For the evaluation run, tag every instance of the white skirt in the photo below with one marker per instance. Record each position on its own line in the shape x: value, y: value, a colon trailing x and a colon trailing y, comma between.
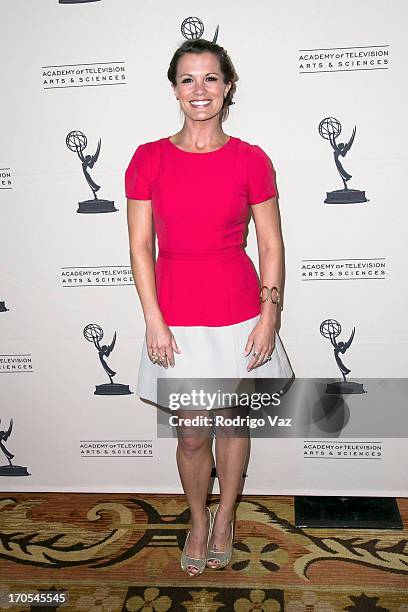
x: 211, y: 352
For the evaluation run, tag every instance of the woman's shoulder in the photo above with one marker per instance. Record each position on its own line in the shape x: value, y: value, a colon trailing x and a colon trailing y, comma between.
x: 148, y: 153
x: 250, y: 148
x: 147, y: 158
x: 150, y: 145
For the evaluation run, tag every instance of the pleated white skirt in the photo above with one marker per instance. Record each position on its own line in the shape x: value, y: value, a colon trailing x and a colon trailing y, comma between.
x: 211, y: 352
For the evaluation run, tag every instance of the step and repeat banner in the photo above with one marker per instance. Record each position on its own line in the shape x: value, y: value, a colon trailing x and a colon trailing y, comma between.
x: 322, y: 90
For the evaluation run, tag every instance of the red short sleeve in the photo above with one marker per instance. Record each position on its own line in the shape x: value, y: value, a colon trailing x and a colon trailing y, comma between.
x: 261, y: 176
x: 138, y: 174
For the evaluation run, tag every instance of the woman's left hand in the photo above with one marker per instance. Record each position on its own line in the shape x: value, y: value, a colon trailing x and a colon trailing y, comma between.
x: 261, y: 341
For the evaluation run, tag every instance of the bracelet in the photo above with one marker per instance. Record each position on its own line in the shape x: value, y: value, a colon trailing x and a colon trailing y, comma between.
x: 269, y: 295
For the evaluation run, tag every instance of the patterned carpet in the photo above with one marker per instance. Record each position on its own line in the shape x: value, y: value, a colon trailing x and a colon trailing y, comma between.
x: 121, y: 552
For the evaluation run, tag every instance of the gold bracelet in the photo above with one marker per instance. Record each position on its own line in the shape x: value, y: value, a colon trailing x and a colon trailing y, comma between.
x: 269, y: 294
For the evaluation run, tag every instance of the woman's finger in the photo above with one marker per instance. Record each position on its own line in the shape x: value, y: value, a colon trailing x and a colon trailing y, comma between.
x: 175, y: 345
x: 170, y: 355
x: 155, y: 354
x: 261, y: 359
x: 254, y: 360
x: 248, y: 346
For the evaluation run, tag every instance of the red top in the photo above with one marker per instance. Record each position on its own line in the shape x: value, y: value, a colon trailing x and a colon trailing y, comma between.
x: 200, y: 204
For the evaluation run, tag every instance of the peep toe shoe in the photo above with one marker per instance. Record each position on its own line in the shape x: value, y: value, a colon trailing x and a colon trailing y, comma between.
x: 223, y: 557
x: 199, y: 564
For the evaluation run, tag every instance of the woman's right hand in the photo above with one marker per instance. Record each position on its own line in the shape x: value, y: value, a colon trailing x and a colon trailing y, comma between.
x: 161, y: 341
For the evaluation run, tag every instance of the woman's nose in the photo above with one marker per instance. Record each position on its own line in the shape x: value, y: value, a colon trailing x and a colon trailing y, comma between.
x: 199, y: 88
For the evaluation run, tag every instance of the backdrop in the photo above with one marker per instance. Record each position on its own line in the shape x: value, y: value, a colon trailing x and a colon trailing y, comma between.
x: 322, y: 90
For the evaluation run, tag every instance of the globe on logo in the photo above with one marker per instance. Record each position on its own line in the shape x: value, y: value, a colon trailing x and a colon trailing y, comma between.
x: 329, y: 126
x: 93, y: 332
x: 330, y: 328
x: 192, y: 28
x: 76, y: 141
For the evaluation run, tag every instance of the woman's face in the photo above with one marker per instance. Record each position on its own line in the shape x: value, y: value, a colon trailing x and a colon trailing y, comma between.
x: 199, y: 78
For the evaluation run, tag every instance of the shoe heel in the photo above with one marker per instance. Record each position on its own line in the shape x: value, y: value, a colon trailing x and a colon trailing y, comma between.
x: 199, y: 563
x: 223, y: 557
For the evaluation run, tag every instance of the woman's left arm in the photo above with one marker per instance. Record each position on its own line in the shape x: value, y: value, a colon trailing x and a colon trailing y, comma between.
x: 270, y: 252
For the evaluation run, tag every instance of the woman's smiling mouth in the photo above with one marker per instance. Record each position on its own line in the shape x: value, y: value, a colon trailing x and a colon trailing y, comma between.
x: 200, y: 103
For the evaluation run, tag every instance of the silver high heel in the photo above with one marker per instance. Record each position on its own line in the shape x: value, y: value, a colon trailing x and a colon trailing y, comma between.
x: 223, y: 557
x: 199, y: 564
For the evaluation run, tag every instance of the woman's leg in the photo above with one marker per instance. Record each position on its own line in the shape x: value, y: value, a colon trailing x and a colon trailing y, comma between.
x: 231, y: 450
x: 195, y: 461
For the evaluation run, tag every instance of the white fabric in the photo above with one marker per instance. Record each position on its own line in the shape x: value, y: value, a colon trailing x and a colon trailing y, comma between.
x: 211, y: 352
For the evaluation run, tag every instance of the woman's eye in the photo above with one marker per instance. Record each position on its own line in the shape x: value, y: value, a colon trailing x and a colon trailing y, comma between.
x: 212, y: 78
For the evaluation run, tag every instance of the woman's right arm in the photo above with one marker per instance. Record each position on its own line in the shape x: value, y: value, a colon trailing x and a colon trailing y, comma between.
x: 159, y: 338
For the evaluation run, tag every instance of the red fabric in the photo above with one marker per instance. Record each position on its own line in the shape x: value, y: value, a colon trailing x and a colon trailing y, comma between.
x: 200, y: 204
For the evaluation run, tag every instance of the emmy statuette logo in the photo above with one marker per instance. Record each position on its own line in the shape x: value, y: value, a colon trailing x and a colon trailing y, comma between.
x: 330, y: 129
x: 94, y: 333
x: 331, y: 329
x: 76, y: 142
x: 10, y: 469
x: 193, y: 28
x: 3, y: 307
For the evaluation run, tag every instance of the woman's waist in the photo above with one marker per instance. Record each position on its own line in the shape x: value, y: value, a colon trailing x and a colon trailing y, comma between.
x: 221, y: 269
x: 210, y: 255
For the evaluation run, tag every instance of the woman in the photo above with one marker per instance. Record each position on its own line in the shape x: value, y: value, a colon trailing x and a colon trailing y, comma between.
x: 204, y: 312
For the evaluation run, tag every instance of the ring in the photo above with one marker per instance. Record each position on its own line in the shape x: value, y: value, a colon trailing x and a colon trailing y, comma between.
x: 255, y: 354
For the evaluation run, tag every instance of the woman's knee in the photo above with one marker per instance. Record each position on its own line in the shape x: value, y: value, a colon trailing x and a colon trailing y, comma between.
x: 192, y: 438
x: 232, y: 422
x: 192, y: 444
